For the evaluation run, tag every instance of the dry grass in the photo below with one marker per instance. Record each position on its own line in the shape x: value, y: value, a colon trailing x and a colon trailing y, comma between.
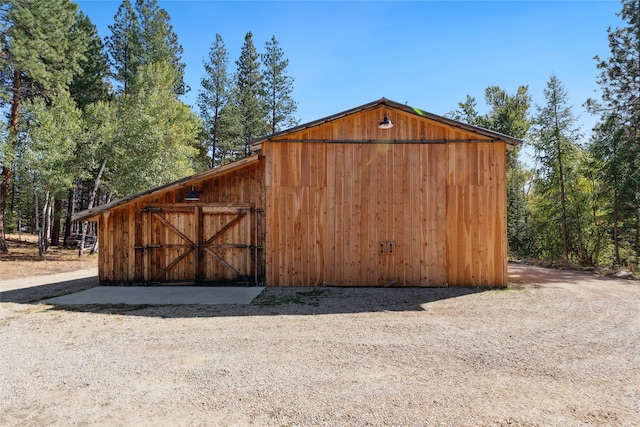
x: 22, y: 260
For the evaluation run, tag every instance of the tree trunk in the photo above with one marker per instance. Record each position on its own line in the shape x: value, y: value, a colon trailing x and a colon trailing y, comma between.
x: 616, y: 246
x: 92, y: 199
x: 638, y: 235
x: 71, y: 209
x: 6, y: 168
x: 214, y: 139
x: 57, y: 222
x: 564, y: 212
x: 43, y: 235
x: 94, y: 249
x: 47, y: 219
x: 4, y: 192
x: 36, y: 211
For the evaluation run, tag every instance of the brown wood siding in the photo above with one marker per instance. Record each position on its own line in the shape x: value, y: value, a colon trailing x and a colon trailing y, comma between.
x: 476, y: 215
x: 122, y: 229
x: 329, y: 204
x: 373, y: 193
x: 440, y: 208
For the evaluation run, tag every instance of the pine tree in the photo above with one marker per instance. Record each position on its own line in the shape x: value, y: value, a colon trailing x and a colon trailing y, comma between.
x: 142, y: 35
x: 279, y: 87
x: 214, y: 95
x: 90, y: 86
x: 124, y: 45
x: 250, y: 94
x: 39, y: 47
x: 611, y: 169
x: 156, y: 135
x: 91, y: 83
x: 555, y: 140
x: 159, y: 42
x: 619, y: 108
x: 508, y: 115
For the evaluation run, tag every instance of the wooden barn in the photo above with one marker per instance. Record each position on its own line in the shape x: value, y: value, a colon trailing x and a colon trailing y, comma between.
x: 380, y: 195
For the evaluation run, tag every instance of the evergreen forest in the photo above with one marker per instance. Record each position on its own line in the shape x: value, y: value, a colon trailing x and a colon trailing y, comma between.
x: 87, y: 120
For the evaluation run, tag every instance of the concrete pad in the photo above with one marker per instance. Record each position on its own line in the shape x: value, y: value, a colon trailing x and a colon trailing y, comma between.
x: 160, y: 295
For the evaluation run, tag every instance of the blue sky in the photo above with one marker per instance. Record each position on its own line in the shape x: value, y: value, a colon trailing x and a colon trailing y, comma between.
x: 429, y: 54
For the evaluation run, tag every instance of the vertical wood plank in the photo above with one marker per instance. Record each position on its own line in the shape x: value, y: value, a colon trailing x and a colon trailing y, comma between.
x: 391, y: 196
x: 441, y: 206
x: 297, y: 237
x: 358, y: 272
x: 347, y: 225
x: 330, y: 248
x: 474, y: 259
x: 321, y: 214
x: 502, y: 257
x: 105, y: 254
x: 130, y: 244
x: 282, y: 235
x: 401, y: 209
x: 271, y: 222
x: 381, y: 211
x: 139, y: 242
x: 482, y: 230
x: 339, y: 217
x: 118, y: 235
x: 413, y: 221
x: 290, y: 237
x: 321, y: 234
x: 363, y: 215
x: 369, y: 219
x: 428, y: 220
x: 401, y: 172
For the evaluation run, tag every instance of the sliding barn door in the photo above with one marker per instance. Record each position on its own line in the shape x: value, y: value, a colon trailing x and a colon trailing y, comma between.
x: 202, y: 244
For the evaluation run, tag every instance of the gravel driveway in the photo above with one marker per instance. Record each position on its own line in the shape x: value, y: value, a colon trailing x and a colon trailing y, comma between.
x: 556, y: 349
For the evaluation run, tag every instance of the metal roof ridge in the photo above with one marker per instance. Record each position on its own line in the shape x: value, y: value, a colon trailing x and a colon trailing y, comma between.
x: 398, y: 106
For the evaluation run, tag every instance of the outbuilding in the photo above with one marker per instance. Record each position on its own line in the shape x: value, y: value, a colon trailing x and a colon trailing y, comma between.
x: 379, y: 195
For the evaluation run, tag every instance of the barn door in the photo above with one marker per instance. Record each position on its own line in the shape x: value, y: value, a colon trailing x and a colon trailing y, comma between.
x: 197, y: 244
x: 228, y: 249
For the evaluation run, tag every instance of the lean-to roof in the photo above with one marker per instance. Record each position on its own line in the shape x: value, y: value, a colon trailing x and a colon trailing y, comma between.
x: 184, y: 182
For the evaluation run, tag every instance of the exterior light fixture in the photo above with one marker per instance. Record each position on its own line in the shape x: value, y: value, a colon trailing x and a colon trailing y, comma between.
x: 385, y: 124
x: 192, y: 196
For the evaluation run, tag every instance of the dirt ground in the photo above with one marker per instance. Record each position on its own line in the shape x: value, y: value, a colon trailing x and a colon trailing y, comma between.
x: 558, y: 348
x: 22, y: 260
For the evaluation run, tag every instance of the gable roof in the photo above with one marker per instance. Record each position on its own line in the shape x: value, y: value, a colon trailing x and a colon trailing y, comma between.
x: 494, y: 136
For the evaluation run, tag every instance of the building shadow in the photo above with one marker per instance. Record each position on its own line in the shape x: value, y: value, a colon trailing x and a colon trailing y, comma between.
x: 38, y: 293
x: 272, y: 301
